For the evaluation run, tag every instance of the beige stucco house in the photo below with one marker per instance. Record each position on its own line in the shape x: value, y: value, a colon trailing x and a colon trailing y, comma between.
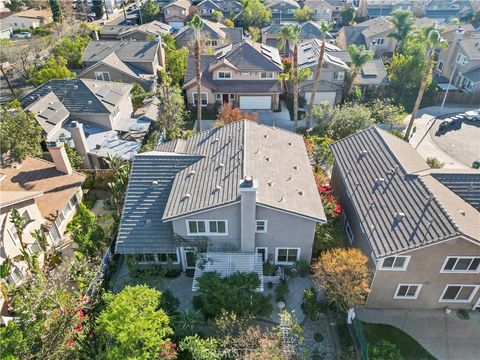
x: 176, y: 13
x: 28, y: 19
x: 322, y: 10
x: 419, y: 227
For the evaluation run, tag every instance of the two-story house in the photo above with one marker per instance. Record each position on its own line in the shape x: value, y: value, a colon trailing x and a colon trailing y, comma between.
x: 214, y: 36
x: 376, y: 8
x: 322, y: 10
x: 224, y: 194
x: 338, y: 6
x: 230, y: 9
x: 418, y: 226
x: 245, y: 73
x: 460, y: 62
x: 93, y: 116
x: 28, y: 19
x: 283, y: 11
x: 445, y: 10
x: 176, y: 13
x: 137, y: 33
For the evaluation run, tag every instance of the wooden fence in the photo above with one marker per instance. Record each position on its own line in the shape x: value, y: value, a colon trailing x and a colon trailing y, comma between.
x: 459, y: 98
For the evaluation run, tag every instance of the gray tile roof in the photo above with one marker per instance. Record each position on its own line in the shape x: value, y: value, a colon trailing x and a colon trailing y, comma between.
x: 141, y: 227
x: 381, y: 174
x: 465, y: 185
x: 309, y: 30
x: 373, y: 73
x: 213, y: 31
x: 472, y: 46
x: 49, y: 111
x: 309, y: 51
x: 251, y: 56
x: 127, y: 51
x: 473, y: 74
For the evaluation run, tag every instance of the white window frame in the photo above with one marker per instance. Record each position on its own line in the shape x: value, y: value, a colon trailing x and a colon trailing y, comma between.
x: 18, y: 274
x: 265, y: 226
x: 266, y: 77
x: 266, y: 252
x: 201, y: 100
x: 13, y: 234
x: 166, y: 262
x: 417, y: 292
x: 286, y: 248
x: 224, y: 72
x: 218, y: 96
x: 403, y: 268
x: 349, y: 235
x: 245, y: 73
x: 207, y: 227
x: 30, y: 248
x: 231, y: 96
x: 100, y: 75
x: 440, y: 65
x: 340, y: 75
x: 461, y: 59
x: 477, y: 271
x: 472, y: 295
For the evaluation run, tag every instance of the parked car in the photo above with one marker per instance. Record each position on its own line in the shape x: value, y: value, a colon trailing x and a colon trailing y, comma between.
x: 473, y: 115
x: 446, y: 123
x: 23, y: 35
x: 476, y: 164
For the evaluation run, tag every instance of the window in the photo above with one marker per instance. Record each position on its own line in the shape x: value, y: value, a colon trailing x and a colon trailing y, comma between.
x: 245, y: 73
x: 15, y: 275
x: 35, y: 248
x: 339, y: 75
x: 407, y: 291
x: 262, y: 251
x: 55, y: 234
x: 105, y: 76
x: 286, y: 256
x: 458, y: 293
x: 266, y: 75
x: 381, y: 41
x: 395, y: 263
x: 218, y: 96
x: 461, y: 264
x: 232, y: 96
x: 164, y: 257
x: 207, y: 227
x: 274, y: 10
x: 440, y: 65
x: 214, y: 43
x: 204, y: 99
x: 167, y: 12
x: 224, y: 75
x: 261, y: 226
x: 461, y: 59
x: 13, y: 234
x: 349, y: 232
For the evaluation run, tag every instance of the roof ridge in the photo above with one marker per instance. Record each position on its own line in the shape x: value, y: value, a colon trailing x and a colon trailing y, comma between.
x: 53, y: 165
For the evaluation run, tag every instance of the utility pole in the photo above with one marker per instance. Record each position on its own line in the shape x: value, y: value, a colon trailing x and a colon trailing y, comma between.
x: 105, y: 7
x: 124, y: 12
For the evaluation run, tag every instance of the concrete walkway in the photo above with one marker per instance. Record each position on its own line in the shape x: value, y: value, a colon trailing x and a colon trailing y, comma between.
x: 279, y: 119
x: 446, y: 337
x: 422, y: 141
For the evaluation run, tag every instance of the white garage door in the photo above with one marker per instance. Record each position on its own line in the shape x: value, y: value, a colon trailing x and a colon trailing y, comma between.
x: 176, y: 24
x: 255, y: 102
x: 321, y: 96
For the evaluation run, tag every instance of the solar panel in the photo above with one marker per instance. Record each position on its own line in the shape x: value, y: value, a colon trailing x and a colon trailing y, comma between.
x: 103, y: 91
x: 268, y: 50
x: 113, y: 98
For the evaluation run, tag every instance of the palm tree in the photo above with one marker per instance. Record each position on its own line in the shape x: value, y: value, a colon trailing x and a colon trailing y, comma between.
x: 432, y: 38
x: 197, y: 24
x: 325, y: 28
x: 403, y: 22
x: 291, y: 34
x: 20, y: 224
x: 359, y: 57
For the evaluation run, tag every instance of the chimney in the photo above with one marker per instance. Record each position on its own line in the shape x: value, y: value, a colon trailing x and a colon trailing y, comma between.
x: 95, y: 35
x: 248, y: 196
x: 59, y: 156
x: 80, y: 141
x: 459, y: 34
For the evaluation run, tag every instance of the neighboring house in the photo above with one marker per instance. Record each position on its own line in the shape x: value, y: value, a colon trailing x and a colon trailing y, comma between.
x: 176, y: 13
x: 229, y: 195
x: 309, y: 30
x: 460, y: 62
x: 28, y: 19
x: 335, y: 68
x: 282, y: 10
x: 418, y: 226
x: 445, y: 10
x: 376, y: 8
x: 64, y: 108
x: 322, y: 10
x: 245, y: 73
x: 338, y: 6
x: 136, y: 33
x: 6, y: 31
x: 214, y: 35
x: 229, y: 8
x: 142, y: 57
x: 43, y: 192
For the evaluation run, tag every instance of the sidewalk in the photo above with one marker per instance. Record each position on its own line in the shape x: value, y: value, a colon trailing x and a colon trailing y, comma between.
x: 446, y: 337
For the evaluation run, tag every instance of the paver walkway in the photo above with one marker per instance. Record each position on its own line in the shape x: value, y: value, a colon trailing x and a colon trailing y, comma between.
x: 446, y: 337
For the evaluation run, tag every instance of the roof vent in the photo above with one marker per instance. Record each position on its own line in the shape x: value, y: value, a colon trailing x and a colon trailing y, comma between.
x: 218, y: 188
x: 290, y: 143
x: 148, y: 222
x: 215, y: 140
x: 461, y: 212
x: 282, y: 199
x: 268, y: 158
x: 257, y: 152
x: 75, y: 87
x: 154, y: 182
x: 379, y: 181
x: 295, y: 167
x: 270, y: 183
x: 248, y: 181
x: 191, y: 172
x: 265, y: 136
x: 98, y: 146
x: 187, y: 196
x: 221, y: 165
x: 363, y: 152
x: 399, y: 216
x: 300, y: 192
x: 89, y: 102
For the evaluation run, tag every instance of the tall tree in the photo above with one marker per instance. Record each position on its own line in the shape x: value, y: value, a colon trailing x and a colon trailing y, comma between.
x: 290, y: 34
x: 403, y: 22
x: 347, y: 14
x: 175, y: 59
x: 6, y: 56
x: 255, y: 13
x: 55, y: 8
x: 303, y: 14
x: 325, y: 28
x: 359, y: 56
x: 432, y: 38
x: 53, y: 68
x: 173, y: 114
x: 197, y: 25
x: 71, y: 47
x: 150, y: 11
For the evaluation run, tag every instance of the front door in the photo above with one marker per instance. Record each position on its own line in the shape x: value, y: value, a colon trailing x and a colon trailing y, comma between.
x: 225, y: 98
x: 189, y: 258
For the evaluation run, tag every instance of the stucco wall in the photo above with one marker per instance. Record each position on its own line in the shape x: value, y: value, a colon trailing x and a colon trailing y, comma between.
x: 115, y: 76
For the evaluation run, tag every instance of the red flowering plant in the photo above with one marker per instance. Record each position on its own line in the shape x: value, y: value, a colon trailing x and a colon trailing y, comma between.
x: 330, y: 202
x: 168, y: 351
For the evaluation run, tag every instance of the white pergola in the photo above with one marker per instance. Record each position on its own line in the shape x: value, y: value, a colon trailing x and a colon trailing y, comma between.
x: 228, y: 263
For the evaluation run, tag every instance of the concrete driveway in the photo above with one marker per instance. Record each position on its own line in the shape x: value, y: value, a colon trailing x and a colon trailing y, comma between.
x: 446, y: 337
x: 280, y: 119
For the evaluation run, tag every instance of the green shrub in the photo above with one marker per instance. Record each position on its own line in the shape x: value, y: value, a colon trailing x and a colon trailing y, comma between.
x: 310, y: 305
x: 384, y: 350
x: 89, y: 199
x: 169, y: 303
x: 434, y: 163
x: 268, y: 268
x: 289, y: 101
x: 302, y: 266
x: 281, y: 291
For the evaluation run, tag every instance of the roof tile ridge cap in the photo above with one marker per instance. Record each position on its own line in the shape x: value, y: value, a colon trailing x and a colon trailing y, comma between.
x: 377, y: 131
x: 279, y: 129
x: 352, y: 135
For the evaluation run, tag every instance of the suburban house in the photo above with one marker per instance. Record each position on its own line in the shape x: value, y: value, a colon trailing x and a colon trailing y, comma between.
x: 460, y: 62
x: 136, y: 33
x: 226, y: 195
x: 418, y: 226
x: 214, y: 35
x: 43, y: 192
x: 230, y: 9
x: 92, y: 116
x: 176, y: 13
x: 142, y: 58
x: 336, y: 65
x: 338, y: 6
x: 445, y: 10
x: 282, y: 10
x: 308, y: 30
x: 376, y: 8
x: 245, y: 73
x: 28, y: 19
x: 322, y: 10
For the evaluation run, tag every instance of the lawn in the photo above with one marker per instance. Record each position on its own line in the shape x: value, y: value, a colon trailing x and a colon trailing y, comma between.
x: 193, y: 116
x: 409, y: 347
